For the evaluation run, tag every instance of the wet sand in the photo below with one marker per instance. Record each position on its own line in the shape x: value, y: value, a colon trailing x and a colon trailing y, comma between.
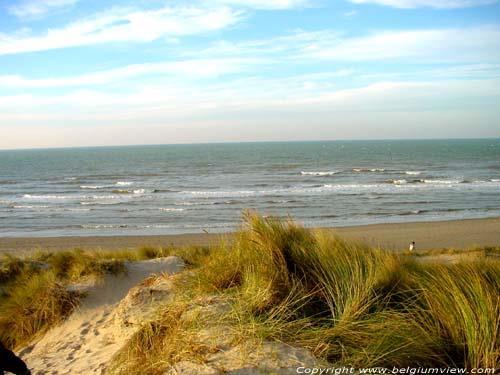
x: 458, y: 234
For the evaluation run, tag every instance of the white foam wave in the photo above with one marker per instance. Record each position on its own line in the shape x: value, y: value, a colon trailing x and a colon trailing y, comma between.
x: 413, y: 173
x: 343, y: 188
x: 103, y: 226
x: 443, y: 182
x: 44, y: 197
x: 92, y: 187
x: 23, y: 206
x: 124, y: 183
x: 400, y: 182
x: 359, y: 170
x: 168, y: 209
x: 320, y: 173
x: 139, y: 191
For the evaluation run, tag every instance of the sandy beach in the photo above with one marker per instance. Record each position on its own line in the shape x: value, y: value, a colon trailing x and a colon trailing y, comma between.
x: 427, y: 235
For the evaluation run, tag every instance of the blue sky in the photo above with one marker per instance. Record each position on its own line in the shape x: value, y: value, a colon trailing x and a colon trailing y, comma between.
x: 110, y: 72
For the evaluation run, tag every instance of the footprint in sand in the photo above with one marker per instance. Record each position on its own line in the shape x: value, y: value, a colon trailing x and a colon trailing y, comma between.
x: 102, y: 320
x: 26, y: 351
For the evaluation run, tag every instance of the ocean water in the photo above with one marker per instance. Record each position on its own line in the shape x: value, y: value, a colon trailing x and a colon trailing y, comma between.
x: 190, y: 188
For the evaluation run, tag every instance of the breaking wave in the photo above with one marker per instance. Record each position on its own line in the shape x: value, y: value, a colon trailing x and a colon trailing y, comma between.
x: 319, y: 174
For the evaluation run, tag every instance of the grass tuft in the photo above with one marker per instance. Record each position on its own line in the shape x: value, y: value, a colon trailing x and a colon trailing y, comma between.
x: 33, y: 306
x: 348, y: 303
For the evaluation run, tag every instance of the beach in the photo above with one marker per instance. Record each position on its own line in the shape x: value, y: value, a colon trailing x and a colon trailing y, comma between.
x: 457, y: 234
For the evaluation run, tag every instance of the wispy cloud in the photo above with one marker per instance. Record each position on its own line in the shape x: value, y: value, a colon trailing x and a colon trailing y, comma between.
x: 125, y: 25
x: 267, y: 4
x: 437, y: 4
x: 187, y: 69
x: 38, y: 8
x: 473, y: 44
x: 438, y: 45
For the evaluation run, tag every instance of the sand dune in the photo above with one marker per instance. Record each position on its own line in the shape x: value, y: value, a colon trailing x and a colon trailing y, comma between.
x: 86, y: 342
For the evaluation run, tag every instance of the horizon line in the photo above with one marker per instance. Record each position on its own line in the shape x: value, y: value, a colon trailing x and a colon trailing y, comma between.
x: 246, y: 142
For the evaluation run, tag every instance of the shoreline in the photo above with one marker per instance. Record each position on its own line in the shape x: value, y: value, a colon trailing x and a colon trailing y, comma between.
x: 394, y: 236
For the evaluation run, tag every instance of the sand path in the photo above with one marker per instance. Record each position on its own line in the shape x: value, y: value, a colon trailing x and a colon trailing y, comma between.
x: 86, y: 342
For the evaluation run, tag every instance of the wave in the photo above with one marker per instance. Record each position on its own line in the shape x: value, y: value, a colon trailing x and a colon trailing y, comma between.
x: 360, y: 170
x: 445, y: 182
x: 399, y: 182
x: 438, y: 181
x: 25, y: 206
x: 412, y: 212
x: 319, y: 174
x: 386, y: 186
x: 99, y: 203
x: 413, y: 173
x: 94, y: 187
x: 44, y: 197
x: 204, y: 203
x: 228, y: 202
x: 103, y: 226
x: 123, y: 183
x: 121, y: 191
x: 168, y: 209
x: 139, y: 191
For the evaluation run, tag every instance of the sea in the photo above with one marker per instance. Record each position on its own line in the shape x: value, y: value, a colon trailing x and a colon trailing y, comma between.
x: 171, y: 189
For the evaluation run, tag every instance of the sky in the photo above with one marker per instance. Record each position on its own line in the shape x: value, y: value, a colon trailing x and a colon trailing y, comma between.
x: 116, y: 72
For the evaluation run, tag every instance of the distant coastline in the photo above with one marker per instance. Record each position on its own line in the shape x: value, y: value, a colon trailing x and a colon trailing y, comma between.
x: 104, y: 146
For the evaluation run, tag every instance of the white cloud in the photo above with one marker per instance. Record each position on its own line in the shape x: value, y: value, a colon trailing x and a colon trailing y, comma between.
x: 267, y: 4
x: 470, y: 44
x: 187, y: 69
x: 255, y: 94
x: 474, y: 44
x: 122, y: 25
x: 247, y: 112
x: 438, y: 4
x: 38, y: 8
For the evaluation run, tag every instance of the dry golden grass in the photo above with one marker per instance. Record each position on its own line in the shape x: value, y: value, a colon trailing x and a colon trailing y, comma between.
x: 347, y: 303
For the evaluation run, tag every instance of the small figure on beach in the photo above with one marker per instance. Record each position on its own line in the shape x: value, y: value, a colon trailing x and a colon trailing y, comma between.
x: 11, y: 363
x: 412, y: 246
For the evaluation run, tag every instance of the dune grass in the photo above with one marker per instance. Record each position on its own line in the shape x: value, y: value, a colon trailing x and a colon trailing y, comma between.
x: 32, y: 307
x: 33, y: 290
x: 347, y: 303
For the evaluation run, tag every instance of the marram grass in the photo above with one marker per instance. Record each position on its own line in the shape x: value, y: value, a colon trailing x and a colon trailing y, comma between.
x: 348, y: 303
x: 33, y: 290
